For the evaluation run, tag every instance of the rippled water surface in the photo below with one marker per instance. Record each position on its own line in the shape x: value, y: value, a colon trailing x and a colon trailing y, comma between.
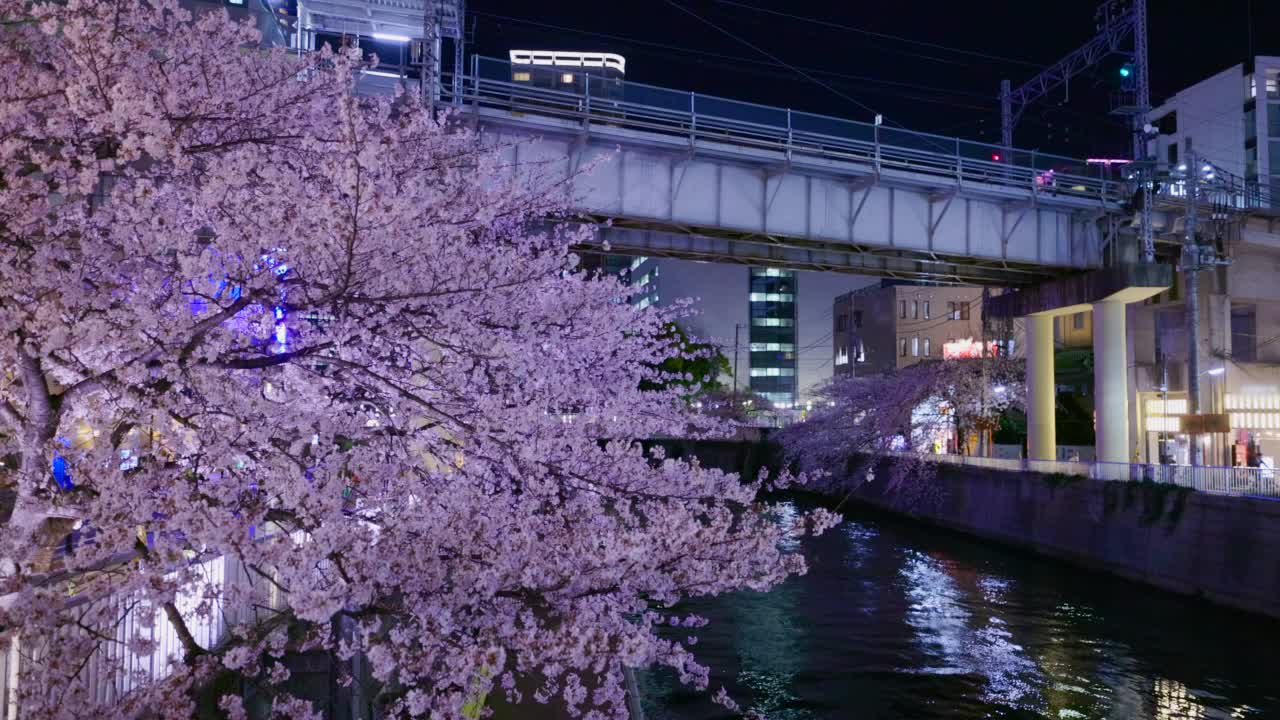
x: 896, y: 620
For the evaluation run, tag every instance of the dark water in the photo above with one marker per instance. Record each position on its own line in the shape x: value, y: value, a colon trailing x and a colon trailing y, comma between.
x: 896, y: 620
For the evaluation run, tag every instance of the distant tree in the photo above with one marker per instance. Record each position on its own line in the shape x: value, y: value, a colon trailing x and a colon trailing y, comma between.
x: 875, y: 416
x: 694, y: 367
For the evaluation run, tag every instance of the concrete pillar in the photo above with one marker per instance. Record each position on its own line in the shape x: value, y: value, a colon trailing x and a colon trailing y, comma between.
x: 1111, y: 381
x: 1042, y: 443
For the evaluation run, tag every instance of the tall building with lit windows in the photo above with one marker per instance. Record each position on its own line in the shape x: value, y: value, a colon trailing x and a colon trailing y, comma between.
x: 1232, y: 119
x: 757, y: 317
x: 772, y: 335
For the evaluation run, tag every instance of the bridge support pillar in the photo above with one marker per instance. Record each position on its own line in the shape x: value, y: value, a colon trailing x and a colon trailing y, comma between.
x: 1042, y: 443
x: 1111, y: 381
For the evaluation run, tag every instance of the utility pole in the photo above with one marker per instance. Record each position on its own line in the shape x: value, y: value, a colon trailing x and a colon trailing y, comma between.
x: 430, y: 63
x: 736, y: 327
x: 1146, y: 171
x: 1191, y: 266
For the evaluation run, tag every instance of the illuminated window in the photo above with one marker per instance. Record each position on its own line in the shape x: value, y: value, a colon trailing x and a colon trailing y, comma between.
x: 521, y: 77
x: 566, y: 78
x: 775, y: 372
x: 927, y: 347
x: 915, y: 346
x: 862, y: 353
x: 772, y: 297
x: 772, y: 347
x: 772, y: 322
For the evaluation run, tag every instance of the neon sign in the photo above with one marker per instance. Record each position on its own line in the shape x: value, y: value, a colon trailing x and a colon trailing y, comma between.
x: 968, y: 348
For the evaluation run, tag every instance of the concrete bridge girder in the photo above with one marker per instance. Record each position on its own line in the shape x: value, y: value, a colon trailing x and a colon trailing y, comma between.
x: 656, y: 182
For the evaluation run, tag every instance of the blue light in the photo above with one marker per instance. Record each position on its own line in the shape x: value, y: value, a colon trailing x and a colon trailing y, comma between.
x: 279, y: 313
x: 61, y: 473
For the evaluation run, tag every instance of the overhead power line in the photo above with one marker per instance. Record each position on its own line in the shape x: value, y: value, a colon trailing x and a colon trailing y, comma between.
x: 885, y: 36
x: 666, y: 47
x: 808, y: 76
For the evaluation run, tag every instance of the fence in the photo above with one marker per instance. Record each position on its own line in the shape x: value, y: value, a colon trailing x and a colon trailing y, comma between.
x: 589, y: 98
x: 1241, y: 481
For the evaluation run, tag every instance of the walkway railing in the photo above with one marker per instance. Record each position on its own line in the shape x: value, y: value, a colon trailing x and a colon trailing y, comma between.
x: 1221, y: 480
x: 590, y: 99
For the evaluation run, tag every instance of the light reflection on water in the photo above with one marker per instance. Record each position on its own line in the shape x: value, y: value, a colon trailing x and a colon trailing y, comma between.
x: 898, y: 621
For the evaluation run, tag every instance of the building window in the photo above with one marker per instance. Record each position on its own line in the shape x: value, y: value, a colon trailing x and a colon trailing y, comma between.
x: 862, y: 353
x: 902, y: 346
x: 841, y: 321
x: 780, y: 372
x: 964, y: 310
x: 1244, y: 346
x: 1077, y: 321
x: 772, y: 297
x: 857, y: 318
x: 953, y: 312
x: 772, y: 347
x: 902, y: 308
x: 915, y: 346
x: 772, y: 322
x: 927, y: 347
x: 926, y: 309
x: 915, y: 310
x: 521, y: 76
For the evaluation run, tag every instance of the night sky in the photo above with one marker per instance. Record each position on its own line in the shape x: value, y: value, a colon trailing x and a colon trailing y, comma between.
x: 932, y: 65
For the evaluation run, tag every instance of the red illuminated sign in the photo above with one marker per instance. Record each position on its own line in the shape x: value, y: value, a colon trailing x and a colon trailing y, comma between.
x: 968, y: 348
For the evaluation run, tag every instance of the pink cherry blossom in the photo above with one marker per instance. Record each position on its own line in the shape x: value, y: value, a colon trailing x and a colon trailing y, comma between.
x: 311, y: 362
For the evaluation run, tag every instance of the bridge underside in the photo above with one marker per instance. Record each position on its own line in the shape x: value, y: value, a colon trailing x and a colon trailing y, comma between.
x: 633, y: 237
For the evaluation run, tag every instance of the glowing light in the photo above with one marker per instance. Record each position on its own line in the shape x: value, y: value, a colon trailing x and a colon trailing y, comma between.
x: 562, y: 58
x: 968, y: 348
x: 391, y: 38
x: 1216, y: 371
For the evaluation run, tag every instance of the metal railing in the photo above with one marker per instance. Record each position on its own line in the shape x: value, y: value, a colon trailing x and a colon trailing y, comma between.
x: 591, y: 99
x: 1220, y: 480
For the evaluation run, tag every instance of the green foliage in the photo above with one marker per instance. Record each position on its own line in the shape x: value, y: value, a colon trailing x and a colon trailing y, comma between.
x: 694, y: 365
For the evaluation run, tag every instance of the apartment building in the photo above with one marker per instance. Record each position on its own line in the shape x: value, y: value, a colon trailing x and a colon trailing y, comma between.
x: 893, y: 325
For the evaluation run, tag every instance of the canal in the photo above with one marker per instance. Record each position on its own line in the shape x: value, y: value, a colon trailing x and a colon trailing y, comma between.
x: 898, y: 620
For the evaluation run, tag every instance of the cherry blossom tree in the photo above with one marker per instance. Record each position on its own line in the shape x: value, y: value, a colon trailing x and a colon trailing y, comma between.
x: 331, y: 341
x: 860, y: 420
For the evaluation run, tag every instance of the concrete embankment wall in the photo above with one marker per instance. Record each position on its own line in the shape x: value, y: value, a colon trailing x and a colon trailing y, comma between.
x: 1224, y: 549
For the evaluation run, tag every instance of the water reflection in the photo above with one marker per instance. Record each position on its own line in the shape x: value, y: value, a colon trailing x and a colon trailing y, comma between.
x: 965, y: 643
x: 899, y: 621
